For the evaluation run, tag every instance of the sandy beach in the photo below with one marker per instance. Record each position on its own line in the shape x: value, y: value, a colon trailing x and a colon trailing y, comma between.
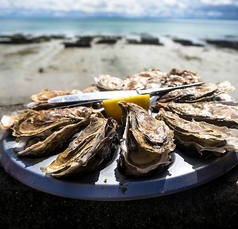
x: 26, y: 69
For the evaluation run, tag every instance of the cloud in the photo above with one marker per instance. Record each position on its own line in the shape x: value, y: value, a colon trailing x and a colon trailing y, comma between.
x: 123, y: 8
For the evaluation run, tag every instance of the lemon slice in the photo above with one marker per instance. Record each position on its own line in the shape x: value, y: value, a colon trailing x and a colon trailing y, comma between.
x: 113, y: 110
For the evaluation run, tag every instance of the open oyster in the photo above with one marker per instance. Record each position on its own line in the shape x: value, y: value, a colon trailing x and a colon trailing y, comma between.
x: 204, y: 92
x: 202, y: 137
x: 42, y: 132
x: 211, y: 112
x: 87, y: 151
x: 146, y: 142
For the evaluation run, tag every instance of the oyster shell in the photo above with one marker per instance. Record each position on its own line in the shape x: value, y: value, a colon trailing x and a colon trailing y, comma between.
x: 108, y: 83
x: 47, y: 142
x: 41, y: 132
x: 148, y: 79
x: 146, y: 142
x: 31, y: 122
x: 7, y: 121
x: 46, y: 94
x: 200, y: 136
x: 211, y: 112
x: 86, y: 152
x: 204, y: 92
x: 144, y: 80
x: 155, y: 78
x: 40, y: 100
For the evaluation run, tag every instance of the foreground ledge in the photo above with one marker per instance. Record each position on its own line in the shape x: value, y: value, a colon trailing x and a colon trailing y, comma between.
x: 212, y: 204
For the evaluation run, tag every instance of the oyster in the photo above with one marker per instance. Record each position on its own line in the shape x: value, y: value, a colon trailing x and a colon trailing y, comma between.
x: 40, y: 100
x: 144, y: 80
x: 41, y: 132
x: 46, y: 94
x: 48, y: 141
x: 202, y: 137
x: 86, y: 152
x: 108, y: 83
x: 211, y: 112
x: 31, y: 122
x: 203, y: 92
x: 146, y: 142
x: 148, y: 79
x: 7, y: 121
x: 177, y: 77
x: 155, y: 78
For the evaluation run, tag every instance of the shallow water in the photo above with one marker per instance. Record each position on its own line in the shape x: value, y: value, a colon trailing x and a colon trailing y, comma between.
x: 182, y: 28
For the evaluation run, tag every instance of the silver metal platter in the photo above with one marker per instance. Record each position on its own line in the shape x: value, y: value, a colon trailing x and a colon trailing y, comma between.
x: 107, y: 183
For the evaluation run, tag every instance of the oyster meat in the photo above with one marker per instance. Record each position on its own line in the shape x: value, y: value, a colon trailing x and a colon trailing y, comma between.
x: 146, y: 142
x: 87, y: 151
x: 202, y: 137
x: 210, y: 112
x: 42, y: 132
x: 204, y: 92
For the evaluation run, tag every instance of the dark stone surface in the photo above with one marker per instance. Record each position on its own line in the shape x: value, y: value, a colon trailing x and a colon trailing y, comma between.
x: 145, y: 40
x: 186, y: 42
x: 212, y: 205
x: 80, y: 43
x: 107, y: 39
x: 23, y: 39
x: 224, y: 43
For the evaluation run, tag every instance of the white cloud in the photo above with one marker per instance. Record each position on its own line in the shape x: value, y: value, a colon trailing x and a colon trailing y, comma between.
x: 132, y: 8
x: 220, y: 2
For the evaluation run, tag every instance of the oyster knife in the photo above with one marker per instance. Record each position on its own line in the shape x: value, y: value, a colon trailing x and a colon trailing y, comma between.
x: 104, y: 95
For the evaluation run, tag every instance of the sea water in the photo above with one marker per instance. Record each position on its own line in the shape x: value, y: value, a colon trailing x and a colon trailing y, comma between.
x: 179, y: 28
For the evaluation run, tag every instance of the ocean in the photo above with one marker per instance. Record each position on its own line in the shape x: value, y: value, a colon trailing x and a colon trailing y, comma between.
x: 178, y: 28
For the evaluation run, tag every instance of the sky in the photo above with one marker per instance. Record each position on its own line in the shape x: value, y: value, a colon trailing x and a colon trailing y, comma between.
x: 224, y: 9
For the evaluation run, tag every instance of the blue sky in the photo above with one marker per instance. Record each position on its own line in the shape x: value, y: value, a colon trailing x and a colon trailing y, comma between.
x: 120, y: 8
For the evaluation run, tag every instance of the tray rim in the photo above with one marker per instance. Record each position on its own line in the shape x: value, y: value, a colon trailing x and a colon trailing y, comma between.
x: 109, y: 187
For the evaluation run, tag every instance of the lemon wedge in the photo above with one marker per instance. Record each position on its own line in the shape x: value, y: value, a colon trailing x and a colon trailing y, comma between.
x: 113, y: 110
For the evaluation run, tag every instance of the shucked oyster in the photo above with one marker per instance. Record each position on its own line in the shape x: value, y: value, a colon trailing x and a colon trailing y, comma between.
x: 146, y: 142
x: 203, y: 92
x: 41, y: 132
x: 200, y: 136
x: 87, y: 151
x: 211, y: 112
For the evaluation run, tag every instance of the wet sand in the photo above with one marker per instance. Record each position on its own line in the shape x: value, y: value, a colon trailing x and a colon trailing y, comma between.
x: 26, y: 69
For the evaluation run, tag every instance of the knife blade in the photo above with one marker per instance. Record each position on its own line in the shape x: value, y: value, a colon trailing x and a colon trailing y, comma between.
x: 104, y: 95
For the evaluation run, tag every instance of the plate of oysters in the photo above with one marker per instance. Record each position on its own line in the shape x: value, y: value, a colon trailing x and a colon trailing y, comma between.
x: 186, y: 137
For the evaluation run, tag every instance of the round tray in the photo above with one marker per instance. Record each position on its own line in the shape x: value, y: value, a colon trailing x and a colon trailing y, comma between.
x: 108, y: 183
